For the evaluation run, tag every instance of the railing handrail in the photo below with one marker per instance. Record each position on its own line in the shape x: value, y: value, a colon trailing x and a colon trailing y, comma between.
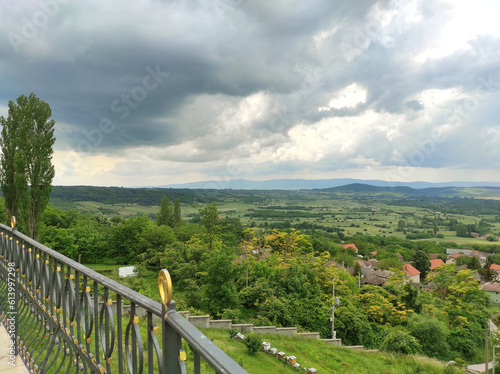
x: 201, y: 345
x: 141, y: 300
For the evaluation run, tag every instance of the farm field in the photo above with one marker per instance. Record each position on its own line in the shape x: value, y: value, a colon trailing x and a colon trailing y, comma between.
x: 384, y: 214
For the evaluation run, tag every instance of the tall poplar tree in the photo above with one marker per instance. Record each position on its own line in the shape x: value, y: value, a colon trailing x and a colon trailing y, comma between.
x: 177, y: 212
x: 209, y: 219
x: 164, y: 217
x: 26, y: 170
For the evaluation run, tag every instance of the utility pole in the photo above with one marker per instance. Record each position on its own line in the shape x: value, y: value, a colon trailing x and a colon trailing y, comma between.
x: 334, y: 333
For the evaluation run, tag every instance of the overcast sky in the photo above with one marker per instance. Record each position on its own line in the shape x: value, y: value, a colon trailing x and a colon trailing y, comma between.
x: 154, y: 92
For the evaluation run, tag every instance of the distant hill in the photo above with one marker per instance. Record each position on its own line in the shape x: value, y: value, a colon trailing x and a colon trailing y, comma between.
x: 66, y: 196
x: 405, y: 190
x: 306, y: 184
x: 366, y: 188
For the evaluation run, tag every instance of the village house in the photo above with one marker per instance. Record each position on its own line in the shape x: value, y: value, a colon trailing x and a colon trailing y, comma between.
x: 454, y: 253
x: 496, y: 268
x: 458, y: 251
x: 345, y: 246
x: 493, y: 291
x: 436, y: 263
x: 412, y: 274
x: 378, y: 277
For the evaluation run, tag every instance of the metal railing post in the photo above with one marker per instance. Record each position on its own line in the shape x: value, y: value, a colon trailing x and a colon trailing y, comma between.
x: 170, y: 347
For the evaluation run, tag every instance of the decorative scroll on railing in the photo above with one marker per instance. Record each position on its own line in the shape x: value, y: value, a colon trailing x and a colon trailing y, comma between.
x: 65, y: 318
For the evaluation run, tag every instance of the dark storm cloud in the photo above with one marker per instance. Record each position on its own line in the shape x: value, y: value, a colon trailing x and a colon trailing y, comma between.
x: 208, y: 81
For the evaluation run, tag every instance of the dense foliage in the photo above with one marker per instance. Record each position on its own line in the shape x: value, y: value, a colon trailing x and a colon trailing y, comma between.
x: 283, y: 277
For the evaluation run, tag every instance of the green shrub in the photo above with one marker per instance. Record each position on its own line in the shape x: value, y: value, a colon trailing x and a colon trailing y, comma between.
x: 452, y: 369
x: 400, y: 341
x: 232, y: 314
x: 432, y: 336
x: 253, y: 343
x: 232, y: 333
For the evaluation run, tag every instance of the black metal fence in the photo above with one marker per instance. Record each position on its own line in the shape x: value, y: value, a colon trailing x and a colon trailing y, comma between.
x: 65, y: 318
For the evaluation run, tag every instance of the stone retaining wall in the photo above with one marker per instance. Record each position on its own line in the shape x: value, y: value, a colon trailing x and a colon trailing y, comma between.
x: 205, y: 322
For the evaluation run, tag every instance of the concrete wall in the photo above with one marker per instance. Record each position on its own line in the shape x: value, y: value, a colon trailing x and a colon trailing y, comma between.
x: 337, y: 342
x: 286, y: 330
x: 312, y: 335
x: 220, y: 324
x: 264, y: 329
x: 203, y: 322
x: 243, y: 327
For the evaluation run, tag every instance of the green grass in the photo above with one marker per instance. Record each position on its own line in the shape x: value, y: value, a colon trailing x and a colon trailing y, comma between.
x: 325, y: 358
x: 116, y: 210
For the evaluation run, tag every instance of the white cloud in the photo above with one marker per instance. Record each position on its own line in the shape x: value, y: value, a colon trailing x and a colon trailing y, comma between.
x: 466, y: 21
x: 348, y: 97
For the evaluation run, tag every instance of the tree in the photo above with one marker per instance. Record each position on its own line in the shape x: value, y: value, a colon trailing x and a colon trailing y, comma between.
x: 219, y: 290
x: 487, y: 274
x: 422, y: 263
x: 474, y: 264
x: 26, y: 162
x: 461, y: 230
x: 209, y: 219
x: 164, y: 217
x: 177, y: 212
x: 431, y: 334
x: 401, y: 225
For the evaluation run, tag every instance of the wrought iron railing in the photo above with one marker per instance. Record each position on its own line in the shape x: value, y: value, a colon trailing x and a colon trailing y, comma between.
x: 63, y: 317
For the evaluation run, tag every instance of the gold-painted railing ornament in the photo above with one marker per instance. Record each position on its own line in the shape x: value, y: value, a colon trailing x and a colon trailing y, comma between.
x: 165, y: 288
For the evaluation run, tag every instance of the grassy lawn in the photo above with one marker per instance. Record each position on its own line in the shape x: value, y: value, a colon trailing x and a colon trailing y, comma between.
x: 325, y: 358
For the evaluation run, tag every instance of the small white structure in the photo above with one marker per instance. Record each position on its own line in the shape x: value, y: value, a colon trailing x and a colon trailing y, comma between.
x: 128, y: 271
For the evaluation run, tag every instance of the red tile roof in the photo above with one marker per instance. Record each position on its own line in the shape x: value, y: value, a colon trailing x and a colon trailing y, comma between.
x: 495, y: 267
x: 345, y: 246
x: 410, y: 270
x: 436, y: 263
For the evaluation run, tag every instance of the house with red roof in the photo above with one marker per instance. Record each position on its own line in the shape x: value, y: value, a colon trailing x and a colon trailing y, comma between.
x: 496, y: 268
x: 345, y: 246
x: 436, y: 263
x: 412, y: 273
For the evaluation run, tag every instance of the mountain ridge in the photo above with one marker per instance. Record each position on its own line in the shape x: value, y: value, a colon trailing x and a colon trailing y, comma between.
x: 299, y: 184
